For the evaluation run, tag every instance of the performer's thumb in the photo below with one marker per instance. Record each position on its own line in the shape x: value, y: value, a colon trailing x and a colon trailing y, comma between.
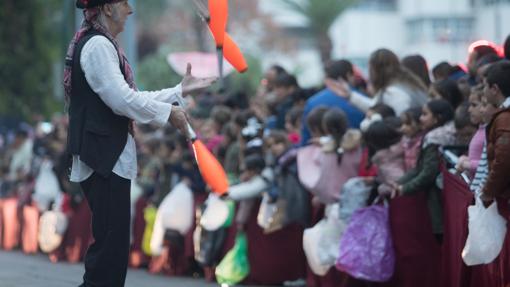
x: 188, y: 69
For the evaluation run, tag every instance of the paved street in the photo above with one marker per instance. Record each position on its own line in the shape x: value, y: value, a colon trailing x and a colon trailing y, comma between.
x: 19, y: 270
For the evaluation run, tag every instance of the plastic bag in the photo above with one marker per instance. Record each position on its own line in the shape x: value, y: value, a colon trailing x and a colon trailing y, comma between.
x: 331, y: 234
x: 174, y: 213
x: 487, y: 231
x: 354, y: 195
x: 46, y: 187
x: 176, y: 210
x: 235, y: 266
x: 271, y: 215
x: 311, y: 242
x: 366, y: 247
x: 52, y: 226
x: 218, y: 213
x: 149, y: 214
x: 320, y: 242
x: 207, y: 245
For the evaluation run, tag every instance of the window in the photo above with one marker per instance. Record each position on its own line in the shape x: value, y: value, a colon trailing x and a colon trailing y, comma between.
x: 379, y: 5
x: 440, y: 30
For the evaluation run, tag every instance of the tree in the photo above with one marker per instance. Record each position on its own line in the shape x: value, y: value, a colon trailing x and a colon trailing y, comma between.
x: 28, y: 50
x: 320, y: 15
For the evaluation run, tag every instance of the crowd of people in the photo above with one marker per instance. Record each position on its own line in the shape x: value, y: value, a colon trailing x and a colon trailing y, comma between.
x: 292, y: 156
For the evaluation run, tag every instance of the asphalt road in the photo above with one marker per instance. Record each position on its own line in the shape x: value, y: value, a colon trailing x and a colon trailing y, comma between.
x: 20, y: 270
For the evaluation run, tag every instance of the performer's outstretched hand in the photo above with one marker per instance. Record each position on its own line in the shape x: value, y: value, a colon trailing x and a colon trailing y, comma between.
x: 191, y: 84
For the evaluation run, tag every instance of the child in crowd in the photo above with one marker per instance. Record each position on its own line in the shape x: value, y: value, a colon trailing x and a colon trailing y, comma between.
x: 435, y: 115
x: 383, y: 141
x: 470, y: 162
x: 376, y: 113
x: 325, y: 166
x: 487, y: 110
x: 412, y: 136
x: 293, y: 124
x: 464, y: 127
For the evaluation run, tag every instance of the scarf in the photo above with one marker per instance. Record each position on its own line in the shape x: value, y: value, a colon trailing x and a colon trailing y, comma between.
x: 91, y: 22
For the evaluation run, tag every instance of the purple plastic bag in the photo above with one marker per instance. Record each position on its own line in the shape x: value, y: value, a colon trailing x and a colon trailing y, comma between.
x: 366, y: 248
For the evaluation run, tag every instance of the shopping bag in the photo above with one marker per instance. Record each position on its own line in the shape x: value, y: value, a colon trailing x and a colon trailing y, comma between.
x: 320, y: 242
x: 487, y: 231
x: 331, y: 234
x: 311, y: 242
x: 235, y: 266
x: 52, y: 226
x: 149, y: 214
x: 366, y: 248
x: 218, y: 213
x: 207, y: 245
x: 354, y: 195
x: 271, y: 215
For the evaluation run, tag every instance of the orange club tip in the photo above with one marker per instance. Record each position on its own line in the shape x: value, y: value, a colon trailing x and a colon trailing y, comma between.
x: 233, y: 54
x: 218, y: 10
x: 212, y: 172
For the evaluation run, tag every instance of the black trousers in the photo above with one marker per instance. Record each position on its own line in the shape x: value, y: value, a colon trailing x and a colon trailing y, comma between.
x: 106, y: 260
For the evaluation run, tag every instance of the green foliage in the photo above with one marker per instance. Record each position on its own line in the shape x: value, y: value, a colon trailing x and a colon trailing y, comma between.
x: 319, y: 13
x: 28, y: 50
x: 154, y: 73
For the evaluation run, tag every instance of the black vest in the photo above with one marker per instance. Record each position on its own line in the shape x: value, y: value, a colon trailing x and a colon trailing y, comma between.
x: 96, y: 134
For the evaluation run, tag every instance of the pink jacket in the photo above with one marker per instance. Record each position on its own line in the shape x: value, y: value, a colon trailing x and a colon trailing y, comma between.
x: 390, y: 163
x: 476, y: 148
x: 322, y: 175
x: 411, y: 148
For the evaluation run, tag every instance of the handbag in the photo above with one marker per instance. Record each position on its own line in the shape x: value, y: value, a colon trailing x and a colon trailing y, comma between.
x: 271, y: 216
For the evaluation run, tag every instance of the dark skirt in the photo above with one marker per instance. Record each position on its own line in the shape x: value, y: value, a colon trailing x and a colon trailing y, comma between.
x: 417, y: 251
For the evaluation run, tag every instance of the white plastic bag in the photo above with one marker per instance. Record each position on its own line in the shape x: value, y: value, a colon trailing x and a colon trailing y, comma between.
x: 487, y: 231
x: 216, y: 213
x: 311, y: 242
x: 175, y: 212
x: 331, y: 235
x: 46, y: 186
x: 354, y: 195
x: 52, y: 226
x: 320, y: 242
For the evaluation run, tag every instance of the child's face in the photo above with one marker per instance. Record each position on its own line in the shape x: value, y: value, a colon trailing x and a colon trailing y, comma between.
x: 487, y: 110
x: 409, y: 128
x: 290, y: 127
x: 427, y: 119
x: 275, y: 148
x: 475, y: 109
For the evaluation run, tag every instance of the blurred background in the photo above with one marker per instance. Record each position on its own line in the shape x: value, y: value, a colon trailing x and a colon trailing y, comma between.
x: 300, y: 35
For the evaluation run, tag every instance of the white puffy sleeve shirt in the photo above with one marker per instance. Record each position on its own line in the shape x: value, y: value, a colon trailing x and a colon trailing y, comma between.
x: 100, y: 63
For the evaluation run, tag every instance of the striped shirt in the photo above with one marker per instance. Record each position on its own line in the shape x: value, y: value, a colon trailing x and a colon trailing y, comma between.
x: 482, y: 171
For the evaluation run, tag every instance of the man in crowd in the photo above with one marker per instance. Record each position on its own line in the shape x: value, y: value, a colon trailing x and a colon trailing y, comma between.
x: 497, y: 91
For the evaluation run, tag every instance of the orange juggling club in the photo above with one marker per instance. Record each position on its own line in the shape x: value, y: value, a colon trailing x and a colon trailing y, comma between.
x: 218, y: 25
x: 230, y: 49
x: 234, y: 55
x: 218, y: 10
x: 212, y: 172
